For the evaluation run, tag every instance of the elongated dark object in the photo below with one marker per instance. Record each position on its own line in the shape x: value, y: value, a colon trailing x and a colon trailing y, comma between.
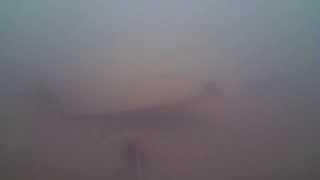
x: 136, y: 157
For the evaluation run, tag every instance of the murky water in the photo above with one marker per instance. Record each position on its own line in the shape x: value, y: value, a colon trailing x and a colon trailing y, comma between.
x: 159, y: 90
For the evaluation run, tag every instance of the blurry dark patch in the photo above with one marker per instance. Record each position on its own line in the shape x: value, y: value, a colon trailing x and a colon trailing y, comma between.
x: 211, y: 88
x: 46, y: 99
x: 134, y: 153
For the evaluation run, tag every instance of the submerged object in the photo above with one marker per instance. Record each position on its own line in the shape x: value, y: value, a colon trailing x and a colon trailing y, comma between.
x: 143, y: 69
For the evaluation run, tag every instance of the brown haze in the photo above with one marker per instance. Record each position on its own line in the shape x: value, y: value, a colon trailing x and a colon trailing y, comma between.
x: 166, y: 90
